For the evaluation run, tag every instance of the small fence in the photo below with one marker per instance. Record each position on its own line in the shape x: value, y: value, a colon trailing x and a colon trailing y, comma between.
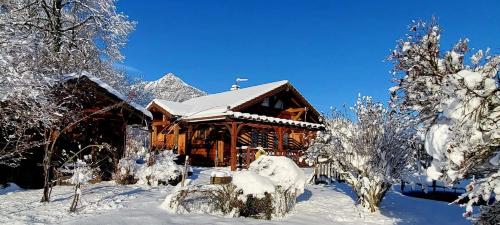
x: 325, y: 173
x: 433, y: 191
x: 429, y: 188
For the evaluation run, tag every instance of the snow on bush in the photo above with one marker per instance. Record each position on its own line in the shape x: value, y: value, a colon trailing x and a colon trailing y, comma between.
x: 163, y: 169
x: 268, y: 189
x: 282, y: 171
x: 458, y: 108
x: 252, y: 184
x: 144, y: 169
x: 371, y: 151
x: 82, y: 173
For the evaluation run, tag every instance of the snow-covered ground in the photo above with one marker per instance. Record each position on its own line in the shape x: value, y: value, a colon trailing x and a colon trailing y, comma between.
x: 108, y: 203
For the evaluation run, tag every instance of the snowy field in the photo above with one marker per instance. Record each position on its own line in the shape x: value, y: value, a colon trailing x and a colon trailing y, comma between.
x: 108, y: 203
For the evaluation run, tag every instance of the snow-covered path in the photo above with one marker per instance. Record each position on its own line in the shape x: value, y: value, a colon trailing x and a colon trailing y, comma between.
x: 107, y: 203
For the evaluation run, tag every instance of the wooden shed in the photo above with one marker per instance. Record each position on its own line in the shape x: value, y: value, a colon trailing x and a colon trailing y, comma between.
x: 105, y: 114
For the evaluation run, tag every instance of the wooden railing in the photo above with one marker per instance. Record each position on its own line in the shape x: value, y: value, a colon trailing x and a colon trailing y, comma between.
x: 247, y: 156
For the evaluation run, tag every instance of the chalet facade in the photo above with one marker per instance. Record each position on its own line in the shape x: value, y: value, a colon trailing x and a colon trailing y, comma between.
x: 227, y: 128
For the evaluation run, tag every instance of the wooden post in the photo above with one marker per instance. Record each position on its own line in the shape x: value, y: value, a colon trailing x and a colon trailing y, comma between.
x: 176, y: 135
x: 280, y: 140
x: 184, y: 174
x: 189, y: 136
x: 234, y: 142
x: 153, y: 137
x: 124, y: 148
x: 248, y: 157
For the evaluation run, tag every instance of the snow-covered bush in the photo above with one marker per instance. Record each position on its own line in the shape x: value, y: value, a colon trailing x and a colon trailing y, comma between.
x: 162, y: 170
x: 82, y: 172
x: 143, y: 169
x: 268, y: 189
x: 136, y: 156
x: 208, y: 199
x: 458, y: 107
x: 370, y: 152
x: 288, y: 180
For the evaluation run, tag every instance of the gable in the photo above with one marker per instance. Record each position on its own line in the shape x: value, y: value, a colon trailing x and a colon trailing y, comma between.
x: 284, y: 102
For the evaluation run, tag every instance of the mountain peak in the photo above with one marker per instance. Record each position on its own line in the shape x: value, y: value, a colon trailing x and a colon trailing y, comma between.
x: 169, y: 76
x: 172, y: 88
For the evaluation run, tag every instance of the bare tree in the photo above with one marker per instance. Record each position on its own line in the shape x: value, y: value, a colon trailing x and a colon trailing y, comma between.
x: 371, y: 151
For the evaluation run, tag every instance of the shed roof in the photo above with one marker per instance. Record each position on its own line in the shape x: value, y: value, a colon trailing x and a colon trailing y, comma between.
x: 110, y: 90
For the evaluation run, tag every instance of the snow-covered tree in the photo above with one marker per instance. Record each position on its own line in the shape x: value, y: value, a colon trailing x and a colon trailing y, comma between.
x: 40, y: 42
x: 371, y: 151
x: 458, y: 106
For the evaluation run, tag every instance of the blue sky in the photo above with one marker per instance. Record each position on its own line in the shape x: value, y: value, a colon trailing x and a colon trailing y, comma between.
x: 329, y: 50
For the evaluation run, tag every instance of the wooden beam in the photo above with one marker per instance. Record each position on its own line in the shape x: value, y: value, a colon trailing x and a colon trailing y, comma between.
x: 234, y: 142
x: 176, y: 135
x: 124, y: 148
x: 296, y: 109
x: 280, y: 139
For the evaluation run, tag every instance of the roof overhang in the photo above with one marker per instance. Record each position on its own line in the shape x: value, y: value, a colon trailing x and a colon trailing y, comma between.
x: 254, y: 117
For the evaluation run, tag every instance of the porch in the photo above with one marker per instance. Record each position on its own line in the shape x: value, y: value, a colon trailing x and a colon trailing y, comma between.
x: 234, y: 142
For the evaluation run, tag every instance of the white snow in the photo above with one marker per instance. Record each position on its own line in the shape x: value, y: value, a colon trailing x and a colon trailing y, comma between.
x: 471, y: 79
x: 282, y: 171
x: 81, y: 173
x: 163, y: 169
x: 221, y: 101
x: 9, y: 188
x: 108, y: 203
x: 174, y: 108
x: 253, y: 184
x: 437, y: 140
x: 220, y: 173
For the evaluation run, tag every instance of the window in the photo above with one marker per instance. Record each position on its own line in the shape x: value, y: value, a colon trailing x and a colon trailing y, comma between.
x: 279, y: 105
x: 265, y: 102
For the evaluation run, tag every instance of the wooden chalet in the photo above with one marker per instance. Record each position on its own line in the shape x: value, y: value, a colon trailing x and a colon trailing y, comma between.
x: 227, y: 128
x: 104, y: 113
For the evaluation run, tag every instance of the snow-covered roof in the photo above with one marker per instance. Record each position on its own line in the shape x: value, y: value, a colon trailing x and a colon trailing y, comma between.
x: 214, y: 104
x: 231, y: 99
x: 110, y: 90
x: 221, y: 105
x: 174, y: 108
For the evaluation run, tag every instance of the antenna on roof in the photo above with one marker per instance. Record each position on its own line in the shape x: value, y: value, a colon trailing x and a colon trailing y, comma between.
x: 237, y: 85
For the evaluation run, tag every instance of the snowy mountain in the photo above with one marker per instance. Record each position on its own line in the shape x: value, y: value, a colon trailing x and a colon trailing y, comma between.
x: 172, y: 88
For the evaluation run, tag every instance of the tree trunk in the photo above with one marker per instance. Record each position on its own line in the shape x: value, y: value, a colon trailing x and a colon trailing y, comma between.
x: 76, y: 198
x: 370, y: 193
x: 47, y: 161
